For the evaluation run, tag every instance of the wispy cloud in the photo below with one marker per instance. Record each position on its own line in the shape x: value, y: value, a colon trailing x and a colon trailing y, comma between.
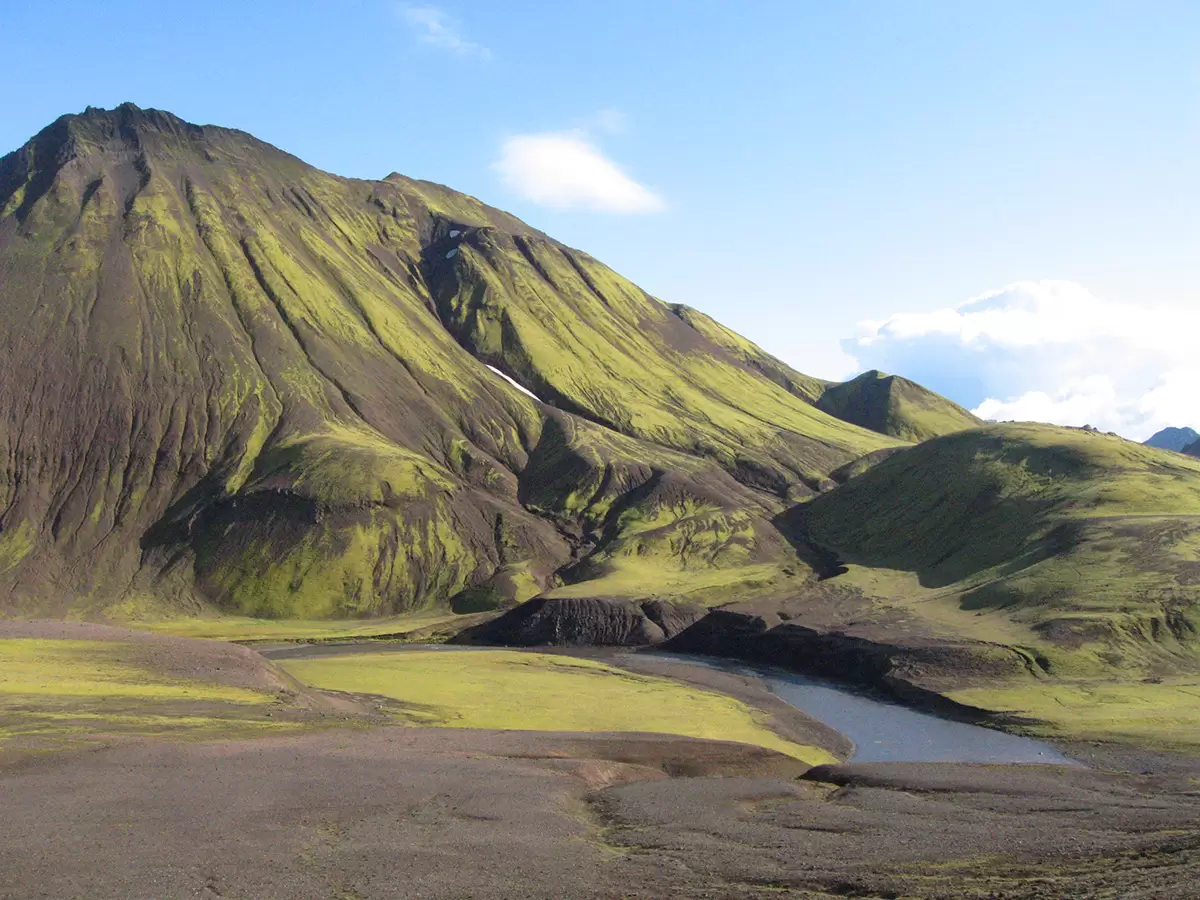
x: 435, y: 27
x: 606, y: 121
x: 565, y: 170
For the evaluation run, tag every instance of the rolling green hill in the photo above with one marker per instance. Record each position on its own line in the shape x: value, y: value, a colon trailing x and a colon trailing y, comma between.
x: 234, y: 381
x: 1079, y: 544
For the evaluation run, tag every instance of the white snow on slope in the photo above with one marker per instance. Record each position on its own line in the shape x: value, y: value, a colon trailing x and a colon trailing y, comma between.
x: 520, y: 387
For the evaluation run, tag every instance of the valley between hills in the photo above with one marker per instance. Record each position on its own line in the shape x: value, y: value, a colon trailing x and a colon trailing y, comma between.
x: 359, y: 540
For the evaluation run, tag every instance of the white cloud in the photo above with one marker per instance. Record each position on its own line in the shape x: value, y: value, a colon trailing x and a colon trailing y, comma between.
x: 1049, y: 351
x: 435, y: 27
x: 564, y: 170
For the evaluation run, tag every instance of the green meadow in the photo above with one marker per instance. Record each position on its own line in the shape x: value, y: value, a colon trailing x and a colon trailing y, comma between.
x: 540, y: 692
x: 55, y: 690
x: 251, y: 629
x: 1164, y: 714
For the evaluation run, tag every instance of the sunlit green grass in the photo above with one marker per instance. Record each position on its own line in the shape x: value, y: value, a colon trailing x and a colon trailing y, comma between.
x: 1166, y: 714
x: 641, y: 577
x: 71, y: 688
x: 541, y: 692
x: 1082, y: 545
x: 247, y: 628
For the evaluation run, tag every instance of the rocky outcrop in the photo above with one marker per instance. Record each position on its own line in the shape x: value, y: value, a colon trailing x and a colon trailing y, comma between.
x: 905, y: 670
x: 585, y: 621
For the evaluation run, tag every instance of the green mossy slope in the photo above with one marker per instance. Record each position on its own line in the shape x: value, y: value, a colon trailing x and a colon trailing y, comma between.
x: 234, y: 379
x: 590, y: 342
x: 1079, y: 543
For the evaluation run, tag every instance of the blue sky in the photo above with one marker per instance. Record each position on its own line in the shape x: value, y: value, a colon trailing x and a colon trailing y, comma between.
x: 794, y: 168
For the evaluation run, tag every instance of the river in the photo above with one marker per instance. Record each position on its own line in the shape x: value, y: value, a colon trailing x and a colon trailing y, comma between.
x: 888, y: 732
x: 882, y: 731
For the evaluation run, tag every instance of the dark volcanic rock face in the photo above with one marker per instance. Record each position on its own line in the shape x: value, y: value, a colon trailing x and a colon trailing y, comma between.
x: 584, y: 621
x: 886, y: 660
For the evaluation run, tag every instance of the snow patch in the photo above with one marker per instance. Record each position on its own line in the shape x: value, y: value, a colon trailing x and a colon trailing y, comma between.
x: 455, y: 233
x: 451, y: 253
x: 520, y: 387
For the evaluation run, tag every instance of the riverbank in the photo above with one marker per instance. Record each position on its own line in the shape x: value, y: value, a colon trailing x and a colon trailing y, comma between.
x: 347, y: 805
x: 848, y: 722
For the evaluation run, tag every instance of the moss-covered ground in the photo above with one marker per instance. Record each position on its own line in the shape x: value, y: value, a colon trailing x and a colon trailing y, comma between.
x: 59, y: 690
x: 640, y: 577
x: 1162, y: 714
x: 540, y: 692
x: 243, y: 629
x: 1081, y: 547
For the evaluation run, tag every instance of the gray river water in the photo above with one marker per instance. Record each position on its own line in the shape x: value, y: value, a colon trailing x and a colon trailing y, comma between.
x: 881, y: 731
x: 887, y: 732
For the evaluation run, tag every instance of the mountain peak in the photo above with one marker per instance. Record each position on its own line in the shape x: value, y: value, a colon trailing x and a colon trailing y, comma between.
x: 892, y: 405
x: 130, y: 114
x: 1176, y: 439
x: 120, y: 147
x: 251, y: 358
x: 98, y: 126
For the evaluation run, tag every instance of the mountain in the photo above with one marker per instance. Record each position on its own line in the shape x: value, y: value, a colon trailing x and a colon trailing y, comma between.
x: 894, y: 406
x: 1173, y: 439
x: 1192, y: 449
x: 236, y: 381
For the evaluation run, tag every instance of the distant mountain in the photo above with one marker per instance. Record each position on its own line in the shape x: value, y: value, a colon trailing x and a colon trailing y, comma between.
x: 1073, y: 537
x: 1173, y: 439
x: 894, y: 406
x: 1192, y: 449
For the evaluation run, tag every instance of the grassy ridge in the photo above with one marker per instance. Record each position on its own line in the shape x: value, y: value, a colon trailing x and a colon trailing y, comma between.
x: 1081, y: 545
x: 580, y: 335
x: 493, y: 689
x: 1163, y: 714
x: 251, y: 628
